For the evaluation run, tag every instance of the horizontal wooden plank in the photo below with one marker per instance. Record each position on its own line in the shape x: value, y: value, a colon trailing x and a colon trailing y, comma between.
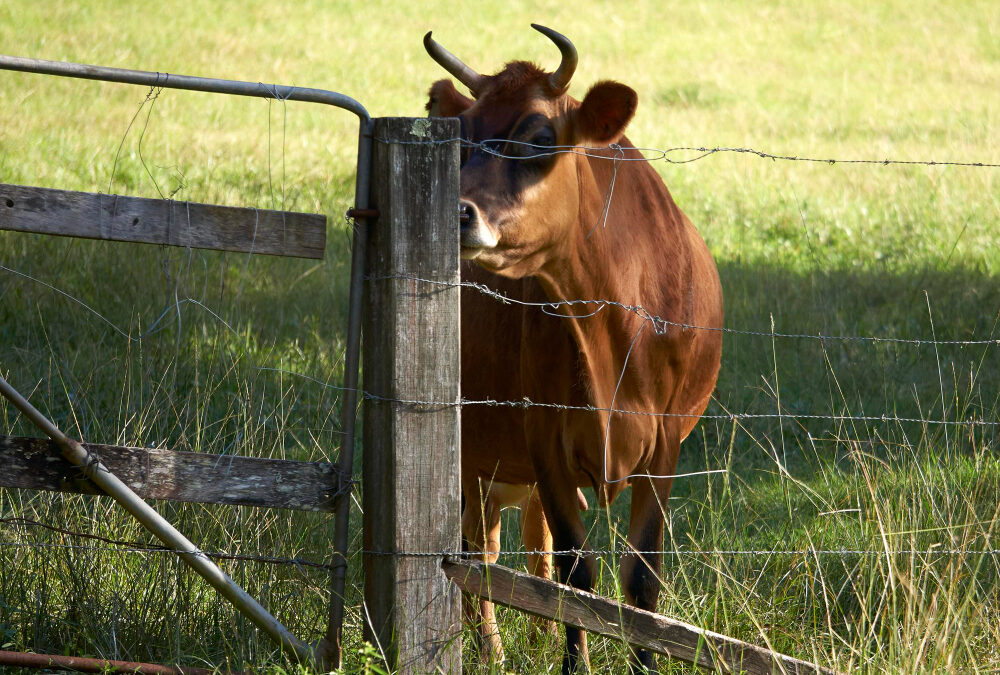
x: 596, y: 614
x: 161, y: 221
x: 36, y: 464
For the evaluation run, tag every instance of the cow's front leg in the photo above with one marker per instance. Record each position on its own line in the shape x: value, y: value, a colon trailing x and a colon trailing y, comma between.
x: 640, y: 569
x: 561, y: 506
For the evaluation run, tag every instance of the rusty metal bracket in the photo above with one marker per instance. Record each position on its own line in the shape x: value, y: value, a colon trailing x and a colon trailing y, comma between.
x: 354, y: 214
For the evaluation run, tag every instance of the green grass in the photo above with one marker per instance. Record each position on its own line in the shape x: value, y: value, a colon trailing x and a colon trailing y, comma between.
x: 890, y: 251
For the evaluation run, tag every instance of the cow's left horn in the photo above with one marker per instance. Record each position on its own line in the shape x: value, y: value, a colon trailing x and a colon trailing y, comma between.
x: 559, y: 80
x: 453, y: 65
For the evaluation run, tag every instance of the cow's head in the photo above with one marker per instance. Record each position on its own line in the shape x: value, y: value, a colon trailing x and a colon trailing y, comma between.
x: 520, y: 200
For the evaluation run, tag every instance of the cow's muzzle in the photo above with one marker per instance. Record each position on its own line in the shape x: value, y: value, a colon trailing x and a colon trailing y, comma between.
x: 475, y: 235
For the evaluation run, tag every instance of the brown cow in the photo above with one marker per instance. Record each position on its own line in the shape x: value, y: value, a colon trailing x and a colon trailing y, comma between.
x: 535, y: 180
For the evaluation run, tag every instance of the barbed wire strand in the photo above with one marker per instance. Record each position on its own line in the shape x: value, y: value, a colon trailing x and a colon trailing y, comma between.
x: 490, y: 146
x: 139, y: 547
x: 299, y: 562
x: 659, y: 321
x: 526, y: 402
x: 550, y: 305
x: 692, y: 552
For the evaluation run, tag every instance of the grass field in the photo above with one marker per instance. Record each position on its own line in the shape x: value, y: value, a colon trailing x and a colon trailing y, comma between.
x: 902, y: 517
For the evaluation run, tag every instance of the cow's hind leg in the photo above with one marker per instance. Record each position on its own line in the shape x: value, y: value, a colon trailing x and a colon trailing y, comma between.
x: 561, y: 505
x: 536, y: 536
x: 640, y: 572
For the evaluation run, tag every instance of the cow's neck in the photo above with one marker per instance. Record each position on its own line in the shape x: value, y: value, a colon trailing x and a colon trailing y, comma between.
x: 637, y: 256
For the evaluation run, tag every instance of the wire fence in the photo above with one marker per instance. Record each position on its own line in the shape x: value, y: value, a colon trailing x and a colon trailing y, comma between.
x: 644, y: 315
x: 552, y: 306
x: 122, y: 546
x: 500, y: 148
x: 564, y: 308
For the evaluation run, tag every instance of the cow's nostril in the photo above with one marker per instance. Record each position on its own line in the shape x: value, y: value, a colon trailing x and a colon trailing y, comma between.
x: 466, y: 215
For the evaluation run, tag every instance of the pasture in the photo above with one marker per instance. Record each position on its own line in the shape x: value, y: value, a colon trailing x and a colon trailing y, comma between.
x: 835, y: 535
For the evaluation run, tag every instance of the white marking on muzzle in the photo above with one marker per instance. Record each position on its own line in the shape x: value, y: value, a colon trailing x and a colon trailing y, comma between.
x: 476, y: 234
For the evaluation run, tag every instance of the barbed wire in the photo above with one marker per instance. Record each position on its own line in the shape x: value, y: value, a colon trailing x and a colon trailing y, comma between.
x: 692, y: 552
x: 492, y: 146
x: 215, y: 555
x: 731, y: 417
x: 139, y: 547
x: 617, y: 552
x: 660, y: 323
x: 526, y: 402
x: 120, y: 546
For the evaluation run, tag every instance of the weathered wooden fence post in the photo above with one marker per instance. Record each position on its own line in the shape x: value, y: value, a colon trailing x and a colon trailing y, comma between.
x: 411, y: 450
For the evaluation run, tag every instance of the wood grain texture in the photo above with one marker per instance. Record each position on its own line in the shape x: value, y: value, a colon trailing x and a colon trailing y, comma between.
x: 596, y: 614
x: 412, y: 493
x: 36, y: 464
x: 160, y: 221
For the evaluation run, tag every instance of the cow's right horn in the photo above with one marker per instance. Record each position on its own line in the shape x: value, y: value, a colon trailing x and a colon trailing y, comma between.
x: 559, y: 80
x: 453, y: 65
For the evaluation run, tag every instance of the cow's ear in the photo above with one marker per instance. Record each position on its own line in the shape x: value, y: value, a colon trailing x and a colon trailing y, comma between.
x: 605, y: 112
x: 445, y: 101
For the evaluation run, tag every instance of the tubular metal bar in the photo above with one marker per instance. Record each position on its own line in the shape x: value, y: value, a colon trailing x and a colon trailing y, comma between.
x: 88, y: 665
x: 210, y: 84
x: 331, y: 653
x: 164, y: 531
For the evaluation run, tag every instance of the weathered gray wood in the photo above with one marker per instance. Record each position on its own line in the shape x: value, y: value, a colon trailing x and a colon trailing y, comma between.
x: 161, y: 221
x: 593, y: 613
x: 411, y: 451
x: 36, y: 464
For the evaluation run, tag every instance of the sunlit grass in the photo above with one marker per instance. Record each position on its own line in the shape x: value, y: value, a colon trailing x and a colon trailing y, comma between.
x: 866, y: 545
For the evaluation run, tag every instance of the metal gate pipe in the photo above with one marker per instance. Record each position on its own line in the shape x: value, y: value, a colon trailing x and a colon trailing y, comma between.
x: 83, y: 664
x: 281, y: 92
x: 331, y: 650
x: 94, y: 470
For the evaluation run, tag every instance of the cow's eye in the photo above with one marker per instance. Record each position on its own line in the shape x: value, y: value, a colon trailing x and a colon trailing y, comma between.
x: 534, y: 146
x: 543, y: 139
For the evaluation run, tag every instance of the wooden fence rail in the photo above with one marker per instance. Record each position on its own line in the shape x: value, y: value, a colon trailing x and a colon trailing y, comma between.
x: 154, y: 473
x: 596, y: 614
x: 90, y: 215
